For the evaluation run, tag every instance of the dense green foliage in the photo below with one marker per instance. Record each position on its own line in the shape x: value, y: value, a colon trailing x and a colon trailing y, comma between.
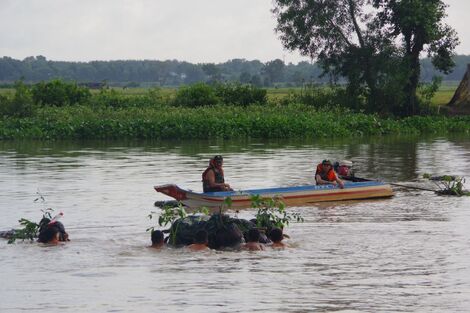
x: 271, y: 212
x: 255, y: 121
x: 59, y: 93
x: 197, y: 95
x: 20, y: 105
x: 28, y: 232
x: 201, y: 94
x: 202, y: 111
x: 375, y: 45
x: 239, y: 94
x: 174, y: 73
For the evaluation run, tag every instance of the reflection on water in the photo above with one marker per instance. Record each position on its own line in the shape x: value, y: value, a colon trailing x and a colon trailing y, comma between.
x: 405, y: 254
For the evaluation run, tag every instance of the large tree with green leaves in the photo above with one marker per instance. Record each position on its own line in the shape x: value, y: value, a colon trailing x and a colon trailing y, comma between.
x: 374, y: 44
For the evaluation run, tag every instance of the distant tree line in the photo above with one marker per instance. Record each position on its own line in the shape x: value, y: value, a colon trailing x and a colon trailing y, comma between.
x: 134, y: 73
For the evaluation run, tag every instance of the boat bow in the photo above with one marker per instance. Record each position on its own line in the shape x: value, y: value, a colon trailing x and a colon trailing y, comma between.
x: 173, y: 191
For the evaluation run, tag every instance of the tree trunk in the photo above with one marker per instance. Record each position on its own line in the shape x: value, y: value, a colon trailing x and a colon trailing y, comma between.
x: 371, y: 81
x: 367, y: 56
x: 412, y: 86
x: 414, y: 47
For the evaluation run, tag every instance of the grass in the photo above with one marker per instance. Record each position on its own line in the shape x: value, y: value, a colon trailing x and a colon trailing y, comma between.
x: 442, y: 97
x: 140, y: 91
x: 6, y: 91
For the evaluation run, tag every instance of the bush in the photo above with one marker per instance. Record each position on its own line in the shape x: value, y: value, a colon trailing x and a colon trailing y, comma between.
x: 114, y: 99
x: 239, y: 94
x: 59, y: 93
x: 196, y: 95
x: 4, y: 104
x: 318, y: 96
x: 21, y: 105
x: 426, y: 92
x: 111, y: 98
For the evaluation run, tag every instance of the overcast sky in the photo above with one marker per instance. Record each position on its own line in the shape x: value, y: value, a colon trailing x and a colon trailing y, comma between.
x: 187, y: 30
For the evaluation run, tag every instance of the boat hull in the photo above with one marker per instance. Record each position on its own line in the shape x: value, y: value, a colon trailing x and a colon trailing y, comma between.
x: 291, y: 196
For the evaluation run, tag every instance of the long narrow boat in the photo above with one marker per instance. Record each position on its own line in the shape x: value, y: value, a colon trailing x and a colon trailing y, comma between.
x: 291, y: 196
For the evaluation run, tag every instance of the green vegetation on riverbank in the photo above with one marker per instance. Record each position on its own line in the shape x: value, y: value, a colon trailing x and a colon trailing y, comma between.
x: 58, y: 110
x: 254, y: 121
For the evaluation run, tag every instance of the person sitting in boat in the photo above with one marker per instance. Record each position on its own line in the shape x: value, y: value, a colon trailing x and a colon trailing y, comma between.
x: 253, y: 243
x: 157, y: 239
x: 344, y: 168
x: 201, y: 241
x: 213, y: 177
x: 325, y: 175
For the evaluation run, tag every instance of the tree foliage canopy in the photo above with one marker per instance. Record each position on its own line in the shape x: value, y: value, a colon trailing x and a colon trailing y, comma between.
x: 375, y: 44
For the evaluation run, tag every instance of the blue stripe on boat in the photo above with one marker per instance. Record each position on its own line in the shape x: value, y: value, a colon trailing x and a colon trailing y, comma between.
x: 281, y: 190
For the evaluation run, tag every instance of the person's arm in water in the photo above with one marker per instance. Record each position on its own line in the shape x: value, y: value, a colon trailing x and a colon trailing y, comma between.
x: 213, y: 184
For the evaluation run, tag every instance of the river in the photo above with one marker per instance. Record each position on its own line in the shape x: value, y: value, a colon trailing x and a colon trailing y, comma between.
x: 409, y: 253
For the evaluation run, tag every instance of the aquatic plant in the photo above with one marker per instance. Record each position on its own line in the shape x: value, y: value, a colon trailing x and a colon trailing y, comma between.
x: 223, y: 229
x: 293, y: 120
x: 170, y: 215
x: 30, y: 229
x: 272, y: 213
x: 449, y: 185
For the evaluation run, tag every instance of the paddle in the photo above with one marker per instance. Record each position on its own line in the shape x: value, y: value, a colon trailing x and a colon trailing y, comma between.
x: 360, y: 179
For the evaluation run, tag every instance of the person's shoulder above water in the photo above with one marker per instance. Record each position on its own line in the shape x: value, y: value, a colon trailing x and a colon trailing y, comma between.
x: 201, y: 241
x: 253, y: 243
x: 276, y: 237
x: 157, y: 238
x: 198, y: 247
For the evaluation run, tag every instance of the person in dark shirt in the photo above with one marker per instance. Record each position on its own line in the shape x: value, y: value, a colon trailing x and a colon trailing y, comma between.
x: 213, y: 177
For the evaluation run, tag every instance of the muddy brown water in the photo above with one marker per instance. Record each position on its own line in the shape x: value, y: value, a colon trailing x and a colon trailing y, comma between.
x: 409, y: 253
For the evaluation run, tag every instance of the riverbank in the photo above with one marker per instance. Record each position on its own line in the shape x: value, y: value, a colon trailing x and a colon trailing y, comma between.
x: 220, y: 121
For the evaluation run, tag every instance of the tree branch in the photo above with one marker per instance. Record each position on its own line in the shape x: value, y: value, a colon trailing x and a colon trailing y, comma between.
x: 340, y: 32
x: 356, y: 25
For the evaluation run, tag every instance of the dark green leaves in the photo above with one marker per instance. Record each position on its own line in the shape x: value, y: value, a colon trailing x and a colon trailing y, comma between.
x: 272, y: 213
x: 374, y: 45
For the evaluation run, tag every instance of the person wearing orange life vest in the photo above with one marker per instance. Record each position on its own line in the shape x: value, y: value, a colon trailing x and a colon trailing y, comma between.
x: 213, y: 177
x: 325, y: 175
